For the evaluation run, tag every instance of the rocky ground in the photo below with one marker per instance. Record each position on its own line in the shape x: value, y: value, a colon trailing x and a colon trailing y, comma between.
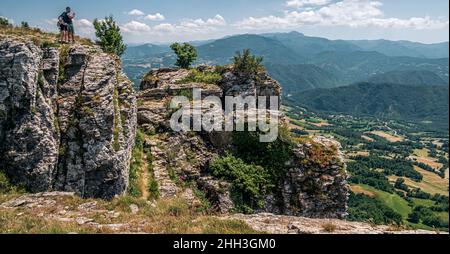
x: 63, y: 212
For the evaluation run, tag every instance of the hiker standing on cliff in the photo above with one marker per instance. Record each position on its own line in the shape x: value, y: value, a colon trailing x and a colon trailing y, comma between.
x: 65, y: 22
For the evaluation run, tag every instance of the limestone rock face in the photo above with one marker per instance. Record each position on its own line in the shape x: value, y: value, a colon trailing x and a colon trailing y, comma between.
x: 316, y: 185
x: 67, y: 120
x: 313, y: 186
x: 28, y: 138
x: 261, y: 84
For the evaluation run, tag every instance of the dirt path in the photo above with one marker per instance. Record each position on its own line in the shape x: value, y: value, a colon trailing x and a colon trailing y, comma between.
x: 167, y: 187
x: 144, y: 178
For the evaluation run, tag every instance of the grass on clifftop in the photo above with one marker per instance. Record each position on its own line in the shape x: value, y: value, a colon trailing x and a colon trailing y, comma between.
x: 196, y: 76
x: 37, y: 36
x: 164, y: 216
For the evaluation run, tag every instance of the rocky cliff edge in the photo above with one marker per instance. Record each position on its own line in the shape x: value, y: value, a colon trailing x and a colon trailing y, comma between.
x: 67, y: 118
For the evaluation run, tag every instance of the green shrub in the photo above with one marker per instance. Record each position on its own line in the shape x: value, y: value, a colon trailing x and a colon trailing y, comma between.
x: 116, y: 130
x: 427, y: 217
x: 49, y: 44
x: 185, y: 93
x: 273, y: 156
x: 24, y: 24
x: 250, y: 182
x: 196, y: 76
x: 4, y: 22
x: 246, y: 64
x: 136, y: 163
x: 153, y: 186
x: 108, y: 35
x: 5, y: 185
x: 186, y: 54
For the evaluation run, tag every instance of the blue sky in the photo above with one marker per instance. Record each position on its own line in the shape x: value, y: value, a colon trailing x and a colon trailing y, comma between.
x: 184, y: 20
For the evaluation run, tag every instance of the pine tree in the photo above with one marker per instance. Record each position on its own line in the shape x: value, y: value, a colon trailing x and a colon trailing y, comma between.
x: 108, y: 35
x: 186, y: 54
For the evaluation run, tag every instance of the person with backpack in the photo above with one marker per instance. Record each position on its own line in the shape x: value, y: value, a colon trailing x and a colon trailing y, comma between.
x: 63, y: 30
x: 65, y: 22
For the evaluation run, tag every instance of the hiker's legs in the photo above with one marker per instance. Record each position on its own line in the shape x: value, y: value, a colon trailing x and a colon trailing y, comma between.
x: 71, y: 38
x: 71, y: 33
x: 66, y: 36
x: 62, y: 30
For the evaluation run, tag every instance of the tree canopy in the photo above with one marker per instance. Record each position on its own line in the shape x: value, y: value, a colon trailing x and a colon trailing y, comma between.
x: 186, y: 54
x: 109, y: 36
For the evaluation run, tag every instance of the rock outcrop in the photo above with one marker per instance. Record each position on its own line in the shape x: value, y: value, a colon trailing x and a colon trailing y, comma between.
x: 67, y: 119
x: 314, y: 186
x: 282, y: 224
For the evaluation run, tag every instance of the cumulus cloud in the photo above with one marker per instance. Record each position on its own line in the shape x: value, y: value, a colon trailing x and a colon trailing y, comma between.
x: 185, y: 27
x: 136, y: 12
x: 210, y: 23
x: 84, y: 27
x: 303, y: 3
x: 353, y: 13
x: 135, y: 27
x: 155, y: 17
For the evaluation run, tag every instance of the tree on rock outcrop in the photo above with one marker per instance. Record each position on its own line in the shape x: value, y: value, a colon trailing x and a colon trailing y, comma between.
x: 4, y: 22
x: 25, y: 25
x: 186, y: 54
x: 109, y: 37
x: 247, y: 64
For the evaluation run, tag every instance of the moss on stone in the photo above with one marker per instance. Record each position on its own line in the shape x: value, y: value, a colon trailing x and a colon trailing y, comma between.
x: 117, y: 119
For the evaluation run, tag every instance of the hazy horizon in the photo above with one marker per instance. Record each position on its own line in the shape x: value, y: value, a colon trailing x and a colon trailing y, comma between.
x: 307, y: 35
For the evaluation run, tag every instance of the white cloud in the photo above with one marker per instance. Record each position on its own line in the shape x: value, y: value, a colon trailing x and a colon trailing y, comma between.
x: 187, y: 29
x: 84, y: 27
x: 164, y: 27
x: 135, y: 27
x: 200, y: 25
x: 352, y: 13
x: 216, y: 21
x: 156, y: 17
x: 302, y: 3
x: 136, y: 12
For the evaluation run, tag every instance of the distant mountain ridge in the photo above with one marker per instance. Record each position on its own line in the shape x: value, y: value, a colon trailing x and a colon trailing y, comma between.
x: 413, y: 78
x: 301, y: 62
x: 221, y: 51
x: 405, y: 48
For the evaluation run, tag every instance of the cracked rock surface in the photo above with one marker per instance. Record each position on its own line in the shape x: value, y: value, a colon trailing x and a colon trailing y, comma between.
x: 67, y: 119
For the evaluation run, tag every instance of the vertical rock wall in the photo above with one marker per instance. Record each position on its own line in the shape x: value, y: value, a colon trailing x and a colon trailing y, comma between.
x: 67, y: 119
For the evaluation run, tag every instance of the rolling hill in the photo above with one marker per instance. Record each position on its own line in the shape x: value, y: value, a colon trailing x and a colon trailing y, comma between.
x: 309, y: 46
x: 221, y: 51
x: 387, y: 101
x: 143, y: 51
x: 301, y: 77
x: 413, y: 78
x: 360, y: 65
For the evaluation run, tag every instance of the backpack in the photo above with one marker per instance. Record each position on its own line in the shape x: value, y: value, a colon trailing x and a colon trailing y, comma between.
x: 60, y: 21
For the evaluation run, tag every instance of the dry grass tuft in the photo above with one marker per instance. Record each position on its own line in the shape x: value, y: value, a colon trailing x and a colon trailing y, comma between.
x: 329, y: 227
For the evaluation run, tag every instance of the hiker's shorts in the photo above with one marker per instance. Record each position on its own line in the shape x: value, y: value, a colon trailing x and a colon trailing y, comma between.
x: 62, y: 27
x: 70, y: 28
